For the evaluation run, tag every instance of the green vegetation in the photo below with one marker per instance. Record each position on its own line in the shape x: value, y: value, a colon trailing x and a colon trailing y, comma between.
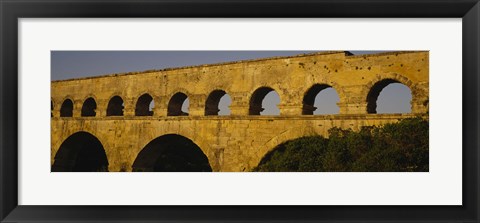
x: 399, y: 147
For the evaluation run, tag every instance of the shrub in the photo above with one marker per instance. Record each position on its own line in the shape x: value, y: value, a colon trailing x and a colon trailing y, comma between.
x: 401, y: 146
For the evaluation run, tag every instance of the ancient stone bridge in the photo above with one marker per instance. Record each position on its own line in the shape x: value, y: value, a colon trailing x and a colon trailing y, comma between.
x: 107, y: 122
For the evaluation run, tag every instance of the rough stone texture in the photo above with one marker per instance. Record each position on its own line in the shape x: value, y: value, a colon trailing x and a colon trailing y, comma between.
x: 239, y: 141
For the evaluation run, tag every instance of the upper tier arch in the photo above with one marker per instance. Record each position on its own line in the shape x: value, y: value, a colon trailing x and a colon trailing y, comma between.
x: 352, y: 76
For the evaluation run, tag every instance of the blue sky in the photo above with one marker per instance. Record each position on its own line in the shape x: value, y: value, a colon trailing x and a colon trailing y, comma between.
x: 395, y: 98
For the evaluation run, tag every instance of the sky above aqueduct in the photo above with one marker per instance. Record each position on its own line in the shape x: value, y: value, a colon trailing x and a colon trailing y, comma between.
x: 395, y: 98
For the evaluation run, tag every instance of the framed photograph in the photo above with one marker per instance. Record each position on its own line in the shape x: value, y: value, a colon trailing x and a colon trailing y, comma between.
x: 298, y: 111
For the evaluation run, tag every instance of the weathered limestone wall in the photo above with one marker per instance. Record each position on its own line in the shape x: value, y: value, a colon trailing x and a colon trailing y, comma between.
x: 230, y: 143
x: 239, y: 141
x: 351, y: 76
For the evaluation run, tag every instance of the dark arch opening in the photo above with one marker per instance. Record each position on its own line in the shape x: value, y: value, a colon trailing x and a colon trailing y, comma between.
x: 81, y: 152
x: 67, y: 108
x: 303, y: 154
x: 175, y: 105
x: 171, y: 153
x: 115, y: 106
x: 144, y: 106
x: 257, y: 100
x: 213, y: 101
x: 89, y: 107
x: 377, y: 91
x: 312, y: 96
x: 51, y: 108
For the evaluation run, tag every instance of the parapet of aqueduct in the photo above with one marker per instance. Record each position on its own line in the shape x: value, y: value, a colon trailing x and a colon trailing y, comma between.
x: 114, y: 109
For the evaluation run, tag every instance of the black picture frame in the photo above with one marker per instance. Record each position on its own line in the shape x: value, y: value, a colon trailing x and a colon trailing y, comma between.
x: 12, y: 10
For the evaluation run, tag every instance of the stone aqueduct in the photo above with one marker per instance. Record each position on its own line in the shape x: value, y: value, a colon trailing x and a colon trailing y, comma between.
x: 113, y: 111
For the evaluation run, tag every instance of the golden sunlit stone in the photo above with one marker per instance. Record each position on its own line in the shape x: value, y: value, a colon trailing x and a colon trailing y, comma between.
x: 237, y: 142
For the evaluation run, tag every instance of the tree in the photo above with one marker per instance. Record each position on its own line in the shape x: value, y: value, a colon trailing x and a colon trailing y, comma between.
x: 401, y: 146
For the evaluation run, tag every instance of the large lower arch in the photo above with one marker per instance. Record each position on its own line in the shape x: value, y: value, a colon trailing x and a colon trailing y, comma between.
x: 290, y: 134
x: 375, y: 91
x: 296, y: 155
x: 171, y: 153
x: 81, y: 152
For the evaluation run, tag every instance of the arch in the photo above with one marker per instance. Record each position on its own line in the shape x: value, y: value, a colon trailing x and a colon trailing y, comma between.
x: 171, y: 153
x: 51, y: 108
x: 144, y: 106
x: 213, y: 101
x: 367, y: 92
x: 89, y: 107
x: 115, y: 106
x: 294, y: 155
x: 81, y: 152
x: 290, y: 134
x: 186, y: 131
x: 67, y: 108
x: 175, y: 105
x: 256, y: 100
x: 375, y: 91
x: 310, y: 96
